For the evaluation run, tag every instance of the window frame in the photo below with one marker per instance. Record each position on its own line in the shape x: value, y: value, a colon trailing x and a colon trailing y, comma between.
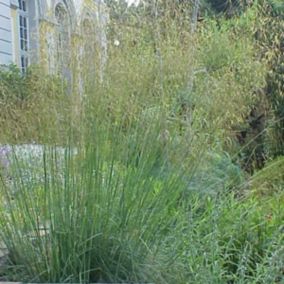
x: 63, y: 39
x: 89, y: 48
x: 23, y: 32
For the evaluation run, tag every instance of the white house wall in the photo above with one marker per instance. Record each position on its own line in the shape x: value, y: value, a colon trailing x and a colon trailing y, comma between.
x: 6, y: 51
x: 42, y: 12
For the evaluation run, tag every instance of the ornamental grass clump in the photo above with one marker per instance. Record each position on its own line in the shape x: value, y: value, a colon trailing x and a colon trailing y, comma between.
x: 101, y: 214
x: 134, y: 181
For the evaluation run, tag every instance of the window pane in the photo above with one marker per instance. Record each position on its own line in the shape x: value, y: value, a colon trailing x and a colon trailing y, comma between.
x: 23, y: 34
x: 22, y: 61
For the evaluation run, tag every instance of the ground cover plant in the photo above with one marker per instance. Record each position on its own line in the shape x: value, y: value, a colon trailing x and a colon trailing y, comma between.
x: 144, y: 179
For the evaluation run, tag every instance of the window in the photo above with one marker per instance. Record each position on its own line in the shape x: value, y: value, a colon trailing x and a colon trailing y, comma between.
x: 90, y: 52
x: 89, y: 41
x: 24, y: 35
x: 63, y: 39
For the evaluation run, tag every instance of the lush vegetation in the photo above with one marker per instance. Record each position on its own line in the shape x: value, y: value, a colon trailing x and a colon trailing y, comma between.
x: 169, y: 170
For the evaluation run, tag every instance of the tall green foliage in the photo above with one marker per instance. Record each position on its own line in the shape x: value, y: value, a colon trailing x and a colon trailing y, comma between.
x: 144, y: 188
x: 33, y: 107
x: 270, y: 35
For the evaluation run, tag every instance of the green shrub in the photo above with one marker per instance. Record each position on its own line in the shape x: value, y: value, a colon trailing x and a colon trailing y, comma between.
x: 216, y: 174
x: 13, y: 85
x: 226, y: 240
x: 34, y: 106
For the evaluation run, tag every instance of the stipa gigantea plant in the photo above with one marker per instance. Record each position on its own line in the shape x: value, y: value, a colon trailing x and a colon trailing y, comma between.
x: 113, y: 211
x: 100, y: 215
x: 37, y: 108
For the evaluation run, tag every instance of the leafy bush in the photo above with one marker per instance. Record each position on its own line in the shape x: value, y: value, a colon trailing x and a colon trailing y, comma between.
x: 268, y: 180
x: 13, y: 85
x: 215, y: 175
x: 34, y: 106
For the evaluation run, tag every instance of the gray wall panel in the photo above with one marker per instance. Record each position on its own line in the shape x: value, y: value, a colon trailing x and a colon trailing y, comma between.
x: 6, y: 35
x: 5, y: 32
x: 5, y: 46
x: 5, y: 23
x: 4, y: 9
